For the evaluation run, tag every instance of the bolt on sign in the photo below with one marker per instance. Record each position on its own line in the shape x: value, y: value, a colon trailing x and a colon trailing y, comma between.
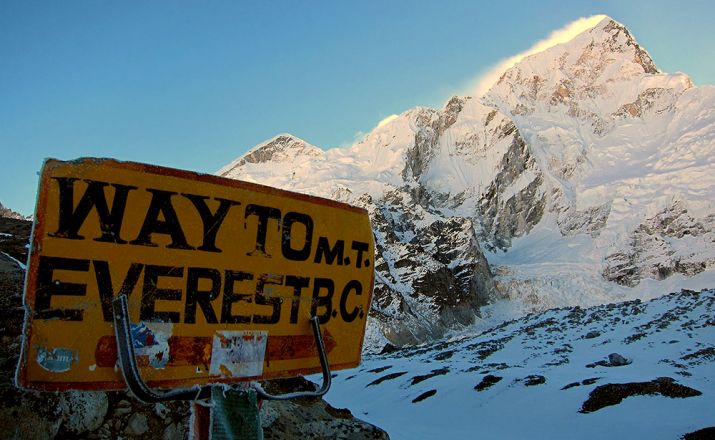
x: 222, y: 277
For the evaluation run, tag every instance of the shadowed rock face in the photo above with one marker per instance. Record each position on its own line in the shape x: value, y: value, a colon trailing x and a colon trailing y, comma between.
x: 31, y: 415
x: 431, y: 269
x: 434, y: 270
x: 504, y: 219
x: 653, y: 252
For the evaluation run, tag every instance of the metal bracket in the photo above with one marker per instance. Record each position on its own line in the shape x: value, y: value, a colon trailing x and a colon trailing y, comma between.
x: 130, y: 369
x: 128, y: 362
x: 327, y: 377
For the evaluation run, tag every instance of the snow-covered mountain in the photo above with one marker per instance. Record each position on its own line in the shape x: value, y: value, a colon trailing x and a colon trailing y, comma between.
x: 583, y: 176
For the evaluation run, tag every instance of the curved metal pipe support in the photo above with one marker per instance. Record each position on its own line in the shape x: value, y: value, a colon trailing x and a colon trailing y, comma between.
x: 327, y: 377
x: 130, y: 369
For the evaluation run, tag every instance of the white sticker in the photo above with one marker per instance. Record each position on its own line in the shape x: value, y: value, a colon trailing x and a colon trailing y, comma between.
x: 57, y: 360
x: 151, y: 341
x: 238, y: 353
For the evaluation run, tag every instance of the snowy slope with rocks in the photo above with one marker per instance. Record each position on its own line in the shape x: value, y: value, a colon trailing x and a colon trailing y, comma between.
x: 582, y: 177
x: 627, y: 370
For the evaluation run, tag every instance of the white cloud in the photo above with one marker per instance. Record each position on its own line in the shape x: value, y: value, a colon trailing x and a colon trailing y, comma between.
x: 387, y: 120
x: 358, y: 136
x: 483, y: 82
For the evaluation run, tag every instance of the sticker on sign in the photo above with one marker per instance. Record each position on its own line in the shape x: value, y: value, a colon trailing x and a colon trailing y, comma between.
x: 222, y: 277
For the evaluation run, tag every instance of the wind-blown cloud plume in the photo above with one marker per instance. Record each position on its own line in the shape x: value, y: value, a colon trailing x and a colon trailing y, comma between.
x: 387, y: 120
x: 483, y: 82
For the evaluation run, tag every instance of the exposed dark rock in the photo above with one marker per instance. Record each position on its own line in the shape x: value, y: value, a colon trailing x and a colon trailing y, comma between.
x: 386, y: 377
x: 388, y: 348
x: 444, y: 355
x: 515, y: 216
x: 590, y: 220
x: 420, y: 258
x: 534, y: 379
x: 487, y: 382
x: 650, y: 253
x: 704, y: 355
x: 616, y: 360
x: 612, y: 394
x: 437, y: 372
x: 425, y: 395
x: 701, y: 434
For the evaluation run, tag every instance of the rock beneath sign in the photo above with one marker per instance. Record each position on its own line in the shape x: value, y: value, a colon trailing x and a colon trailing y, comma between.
x: 137, y: 425
x: 172, y: 432
x: 83, y: 410
x: 310, y: 417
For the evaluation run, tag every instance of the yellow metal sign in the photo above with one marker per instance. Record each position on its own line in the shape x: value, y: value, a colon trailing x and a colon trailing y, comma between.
x: 222, y: 277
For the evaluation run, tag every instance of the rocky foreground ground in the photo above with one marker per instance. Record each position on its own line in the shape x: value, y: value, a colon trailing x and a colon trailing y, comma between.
x: 99, y: 415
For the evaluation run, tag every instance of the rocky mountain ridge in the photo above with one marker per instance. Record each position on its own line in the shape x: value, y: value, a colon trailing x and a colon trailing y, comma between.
x: 9, y: 213
x: 541, y: 192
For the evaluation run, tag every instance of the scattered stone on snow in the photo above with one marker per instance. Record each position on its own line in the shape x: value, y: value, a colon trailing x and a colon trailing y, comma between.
x: 534, y: 379
x: 437, y: 372
x: 614, y: 360
x: 425, y: 395
x: 612, y: 394
x: 380, y: 369
x: 487, y: 382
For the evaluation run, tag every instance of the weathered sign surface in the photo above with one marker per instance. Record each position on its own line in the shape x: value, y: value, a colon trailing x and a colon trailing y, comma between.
x: 222, y: 277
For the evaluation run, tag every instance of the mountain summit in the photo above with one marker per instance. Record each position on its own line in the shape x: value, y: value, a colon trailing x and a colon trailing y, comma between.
x: 281, y: 148
x: 583, y: 176
x: 600, y: 73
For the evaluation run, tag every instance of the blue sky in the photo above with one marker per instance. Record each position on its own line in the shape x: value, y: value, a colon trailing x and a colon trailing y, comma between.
x: 193, y: 85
